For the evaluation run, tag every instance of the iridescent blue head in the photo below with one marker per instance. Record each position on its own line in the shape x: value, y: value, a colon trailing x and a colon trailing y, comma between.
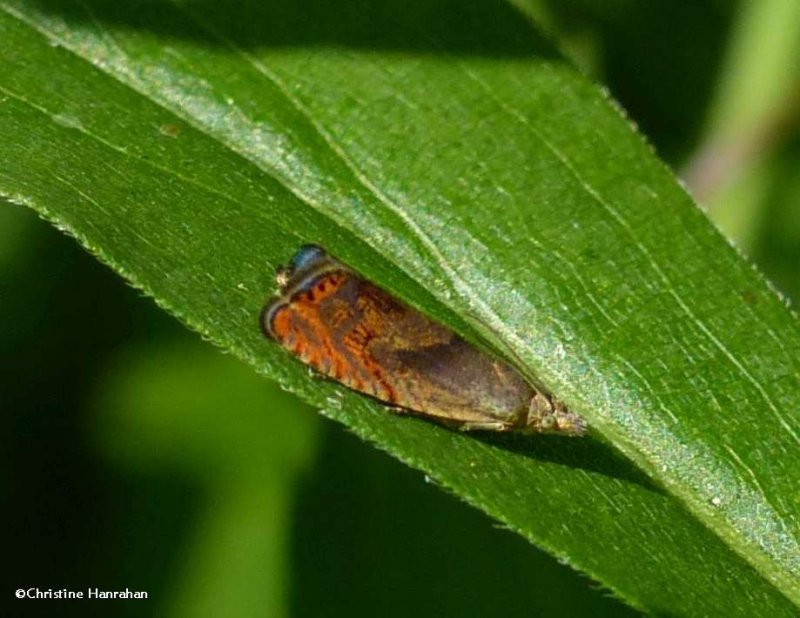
x: 306, y: 257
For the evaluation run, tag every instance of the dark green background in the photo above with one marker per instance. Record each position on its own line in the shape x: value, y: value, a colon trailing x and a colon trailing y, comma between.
x: 140, y: 457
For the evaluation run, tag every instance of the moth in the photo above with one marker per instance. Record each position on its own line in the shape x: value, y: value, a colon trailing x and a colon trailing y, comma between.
x: 352, y: 331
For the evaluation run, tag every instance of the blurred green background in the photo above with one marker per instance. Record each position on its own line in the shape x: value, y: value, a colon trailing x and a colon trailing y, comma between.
x: 141, y: 457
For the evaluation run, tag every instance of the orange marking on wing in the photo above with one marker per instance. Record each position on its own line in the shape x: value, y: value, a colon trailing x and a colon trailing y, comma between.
x: 317, y: 339
x: 300, y: 347
x: 338, y: 370
x: 322, y: 334
x: 357, y: 343
x: 281, y: 323
x: 314, y: 358
x: 390, y: 393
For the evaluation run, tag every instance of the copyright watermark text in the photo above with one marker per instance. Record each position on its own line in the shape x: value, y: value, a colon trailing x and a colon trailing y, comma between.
x: 88, y: 593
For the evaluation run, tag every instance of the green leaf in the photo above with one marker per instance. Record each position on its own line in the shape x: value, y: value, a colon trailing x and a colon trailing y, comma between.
x: 444, y: 151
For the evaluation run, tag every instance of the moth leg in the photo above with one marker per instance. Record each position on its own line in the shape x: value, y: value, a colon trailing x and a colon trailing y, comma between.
x: 483, y: 426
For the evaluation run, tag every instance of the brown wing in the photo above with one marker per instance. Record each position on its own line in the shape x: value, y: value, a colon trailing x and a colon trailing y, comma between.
x: 432, y: 370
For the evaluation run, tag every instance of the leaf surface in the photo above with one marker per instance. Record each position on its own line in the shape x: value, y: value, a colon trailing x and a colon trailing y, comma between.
x: 447, y: 153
